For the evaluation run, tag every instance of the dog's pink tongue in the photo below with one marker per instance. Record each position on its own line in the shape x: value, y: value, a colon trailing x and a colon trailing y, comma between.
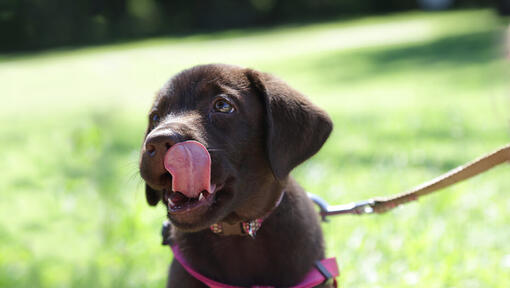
x: 189, y: 163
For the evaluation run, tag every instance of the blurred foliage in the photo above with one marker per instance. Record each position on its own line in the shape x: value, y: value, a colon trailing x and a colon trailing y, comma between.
x: 38, y: 24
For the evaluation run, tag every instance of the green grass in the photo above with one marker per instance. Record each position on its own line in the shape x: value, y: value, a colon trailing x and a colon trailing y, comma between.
x: 412, y: 95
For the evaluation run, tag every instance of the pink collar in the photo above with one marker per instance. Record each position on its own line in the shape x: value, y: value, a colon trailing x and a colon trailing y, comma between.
x: 244, y: 228
x: 324, y: 271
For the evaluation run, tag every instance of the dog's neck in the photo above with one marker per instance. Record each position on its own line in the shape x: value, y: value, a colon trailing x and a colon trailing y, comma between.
x: 244, y: 228
x: 294, y: 219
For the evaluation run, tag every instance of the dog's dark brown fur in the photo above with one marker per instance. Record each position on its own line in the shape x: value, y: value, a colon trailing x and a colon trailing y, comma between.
x: 253, y: 149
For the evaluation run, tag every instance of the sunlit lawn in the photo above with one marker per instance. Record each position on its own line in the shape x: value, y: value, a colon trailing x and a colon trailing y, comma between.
x: 412, y: 95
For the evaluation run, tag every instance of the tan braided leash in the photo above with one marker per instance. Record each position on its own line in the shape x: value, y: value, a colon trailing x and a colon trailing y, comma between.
x: 384, y: 204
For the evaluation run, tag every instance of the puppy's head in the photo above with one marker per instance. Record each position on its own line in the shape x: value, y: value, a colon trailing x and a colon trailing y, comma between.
x: 254, y: 128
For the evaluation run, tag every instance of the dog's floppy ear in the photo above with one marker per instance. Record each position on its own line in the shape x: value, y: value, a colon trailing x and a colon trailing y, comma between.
x: 152, y: 195
x: 295, y: 128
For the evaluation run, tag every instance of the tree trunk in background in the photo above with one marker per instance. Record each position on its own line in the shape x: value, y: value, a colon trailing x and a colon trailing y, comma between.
x: 504, y: 7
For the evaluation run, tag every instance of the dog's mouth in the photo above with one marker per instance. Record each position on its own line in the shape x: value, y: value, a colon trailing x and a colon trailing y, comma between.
x: 197, y: 213
x: 178, y: 203
x: 192, y: 199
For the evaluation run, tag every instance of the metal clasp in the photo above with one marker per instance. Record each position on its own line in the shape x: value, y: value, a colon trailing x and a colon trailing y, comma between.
x: 359, y: 208
x: 364, y: 207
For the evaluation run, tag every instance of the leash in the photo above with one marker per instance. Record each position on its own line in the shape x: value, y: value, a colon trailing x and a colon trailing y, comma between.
x: 381, y: 205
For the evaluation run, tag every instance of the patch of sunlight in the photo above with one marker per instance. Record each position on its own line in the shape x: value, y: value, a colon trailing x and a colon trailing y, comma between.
x: 369, y: 36
x: 505, y: 261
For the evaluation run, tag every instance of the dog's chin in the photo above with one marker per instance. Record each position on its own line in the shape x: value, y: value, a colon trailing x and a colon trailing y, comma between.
x: 192, y: 215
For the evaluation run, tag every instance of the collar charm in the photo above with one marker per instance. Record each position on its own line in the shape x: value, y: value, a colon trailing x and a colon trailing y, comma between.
x: 244, y: 228
x: 252, y: 227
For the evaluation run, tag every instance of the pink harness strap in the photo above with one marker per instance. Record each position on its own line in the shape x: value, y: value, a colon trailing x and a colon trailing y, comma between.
x: 312, y: 279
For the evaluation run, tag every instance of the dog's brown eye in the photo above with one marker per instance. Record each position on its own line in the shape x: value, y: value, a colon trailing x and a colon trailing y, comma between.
x: 223, y: 106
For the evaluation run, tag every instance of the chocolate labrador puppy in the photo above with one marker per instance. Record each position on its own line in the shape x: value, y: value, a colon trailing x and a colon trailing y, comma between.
x: 219, y: 147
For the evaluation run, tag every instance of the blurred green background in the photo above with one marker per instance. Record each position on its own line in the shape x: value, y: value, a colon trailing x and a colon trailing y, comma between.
x: 41, y: 24
x: 412, y: 95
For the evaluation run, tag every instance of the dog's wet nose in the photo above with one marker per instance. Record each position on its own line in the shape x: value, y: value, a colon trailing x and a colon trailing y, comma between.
x: 151, y: 150
x: 159, y: 141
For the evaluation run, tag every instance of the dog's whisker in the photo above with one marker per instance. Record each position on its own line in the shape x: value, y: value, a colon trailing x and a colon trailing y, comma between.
x: 134, y: 175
